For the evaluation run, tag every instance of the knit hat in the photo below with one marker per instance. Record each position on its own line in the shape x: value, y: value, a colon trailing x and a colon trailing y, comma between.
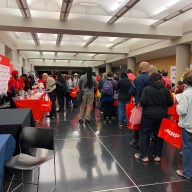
x: 14, y: 73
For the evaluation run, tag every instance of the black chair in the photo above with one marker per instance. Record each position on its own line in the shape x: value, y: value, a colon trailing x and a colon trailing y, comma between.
x: 32, y: 137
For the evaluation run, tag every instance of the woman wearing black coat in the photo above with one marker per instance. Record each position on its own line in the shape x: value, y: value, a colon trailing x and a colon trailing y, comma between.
x: 123, y: 86
x: 155, y: 101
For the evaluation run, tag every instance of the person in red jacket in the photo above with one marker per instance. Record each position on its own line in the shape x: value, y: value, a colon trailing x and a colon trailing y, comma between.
x: 13, y: 87
x: 21, y: 83
x: 166, y: 81
x: 130, y: 75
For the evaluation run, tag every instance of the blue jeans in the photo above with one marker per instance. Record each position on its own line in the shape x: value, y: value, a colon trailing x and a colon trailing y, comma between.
x: 187, y: 153
x: 122, y: 113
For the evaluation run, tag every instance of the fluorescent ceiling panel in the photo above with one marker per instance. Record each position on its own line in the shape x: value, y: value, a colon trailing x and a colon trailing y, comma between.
x: 166, y: 6
x: 88, y: 4
x: 116, y: 6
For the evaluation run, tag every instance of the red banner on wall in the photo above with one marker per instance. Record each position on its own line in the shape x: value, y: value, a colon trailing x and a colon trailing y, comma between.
x: 4, y: 61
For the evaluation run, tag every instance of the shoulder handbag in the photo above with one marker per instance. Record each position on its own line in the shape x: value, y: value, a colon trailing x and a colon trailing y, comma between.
x: 136, y: 115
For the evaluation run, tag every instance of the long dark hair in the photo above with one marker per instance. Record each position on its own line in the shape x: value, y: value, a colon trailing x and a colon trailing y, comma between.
x: 89, y: 83
x: 123, y: 75
x: 154, y: 78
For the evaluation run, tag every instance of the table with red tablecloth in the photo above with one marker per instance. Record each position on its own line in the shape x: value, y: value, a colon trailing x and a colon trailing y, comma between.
x: 35, y: 103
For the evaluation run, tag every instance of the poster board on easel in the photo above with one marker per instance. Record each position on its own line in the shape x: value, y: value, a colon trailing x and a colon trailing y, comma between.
x: 5, y: 70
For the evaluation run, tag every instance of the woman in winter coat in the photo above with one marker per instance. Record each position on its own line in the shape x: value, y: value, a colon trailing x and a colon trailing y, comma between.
x: 155, y: 101
x: 123, y: 86
x: 184, y: 110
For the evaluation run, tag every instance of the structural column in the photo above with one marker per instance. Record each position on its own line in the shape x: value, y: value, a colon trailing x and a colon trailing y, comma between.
x: 2, y: 49
x: 70, y: 72
x: 182, y: 60
x: 131, y: 64
x: 20, y: 64
x: 96, y: 70
x: 14, y: 60
x: 108, y: 67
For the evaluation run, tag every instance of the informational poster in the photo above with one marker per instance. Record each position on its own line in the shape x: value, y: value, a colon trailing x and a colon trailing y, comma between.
x: 5, y: 69
x: 4, y: 78
x: 173, y: 72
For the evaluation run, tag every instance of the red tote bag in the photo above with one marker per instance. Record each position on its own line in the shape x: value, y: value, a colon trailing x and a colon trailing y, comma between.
x: 129, y: 108
x: 73, y: 93
x: 170, y: 132
x: 133, y: 127
x: 173, y: 112
x: 136, y: 114
x: 46, y: 105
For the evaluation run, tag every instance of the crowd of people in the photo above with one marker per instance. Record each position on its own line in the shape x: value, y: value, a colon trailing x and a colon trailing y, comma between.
x: 151, y: 89
x: 17, y: 84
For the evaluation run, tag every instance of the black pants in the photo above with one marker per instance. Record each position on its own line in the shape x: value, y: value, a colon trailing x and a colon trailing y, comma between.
x: 68, y: 100
x: 107, y: 109
x: 74, y: 101
x: 60, y: 99
x: 10, y: 97
x: 52, y: 96
x: 101, y: 106
x: 149, y: 126
x: 136, y: 137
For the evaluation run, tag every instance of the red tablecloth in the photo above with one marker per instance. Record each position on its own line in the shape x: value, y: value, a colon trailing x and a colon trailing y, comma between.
x: 35, y: 104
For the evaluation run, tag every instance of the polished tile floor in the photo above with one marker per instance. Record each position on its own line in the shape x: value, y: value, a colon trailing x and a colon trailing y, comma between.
x: 97, y: 157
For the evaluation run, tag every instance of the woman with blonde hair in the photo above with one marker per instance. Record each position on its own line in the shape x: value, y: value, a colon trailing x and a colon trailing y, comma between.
x: 187, y: 70
x: 152, y: 69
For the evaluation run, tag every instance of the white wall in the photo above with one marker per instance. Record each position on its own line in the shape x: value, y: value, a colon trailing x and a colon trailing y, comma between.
x: 2, y: 48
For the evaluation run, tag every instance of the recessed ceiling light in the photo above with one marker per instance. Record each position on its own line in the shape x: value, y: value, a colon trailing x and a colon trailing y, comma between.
x: 115, y: 6
x: 168, y: 5
x: 88, y: 4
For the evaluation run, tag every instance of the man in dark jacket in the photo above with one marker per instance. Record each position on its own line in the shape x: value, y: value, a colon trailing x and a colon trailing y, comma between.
x: 123, y: 87
x: 136, y: 90
x: 61, y: 87
x: 155, y: 101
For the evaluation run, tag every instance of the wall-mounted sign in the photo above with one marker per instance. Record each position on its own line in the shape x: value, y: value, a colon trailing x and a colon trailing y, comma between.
x: 173, y: 73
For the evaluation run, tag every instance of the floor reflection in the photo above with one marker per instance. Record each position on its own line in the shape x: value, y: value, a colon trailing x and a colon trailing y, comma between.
x: 98, y: 157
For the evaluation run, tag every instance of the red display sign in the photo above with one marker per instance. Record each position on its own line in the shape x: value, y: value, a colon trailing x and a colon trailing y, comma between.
x: 5, y: 71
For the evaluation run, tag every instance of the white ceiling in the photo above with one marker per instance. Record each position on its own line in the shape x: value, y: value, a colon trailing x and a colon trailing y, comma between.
x: 84, y: 12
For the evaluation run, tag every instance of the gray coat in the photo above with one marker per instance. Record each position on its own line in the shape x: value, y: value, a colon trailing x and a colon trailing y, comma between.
x: 83, y: 82
x: 184, y: 108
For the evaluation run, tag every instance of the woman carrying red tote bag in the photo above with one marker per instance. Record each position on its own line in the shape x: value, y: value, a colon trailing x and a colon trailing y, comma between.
x: 155, y: 100
x: 129, y: 108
